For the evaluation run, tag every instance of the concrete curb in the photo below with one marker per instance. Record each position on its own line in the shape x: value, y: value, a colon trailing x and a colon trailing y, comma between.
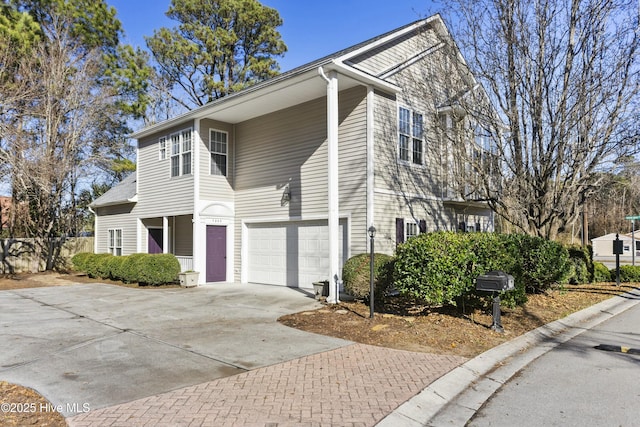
x: 455, y: 397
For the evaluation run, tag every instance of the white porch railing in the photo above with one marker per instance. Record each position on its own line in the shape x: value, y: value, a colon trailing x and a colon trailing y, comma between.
x: 186, y: 263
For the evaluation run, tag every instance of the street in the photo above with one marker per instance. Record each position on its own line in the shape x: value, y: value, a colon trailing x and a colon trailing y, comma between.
x: 575, y: 383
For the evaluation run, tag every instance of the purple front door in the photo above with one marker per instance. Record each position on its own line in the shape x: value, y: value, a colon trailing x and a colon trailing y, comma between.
x: 155, y: 241
x: 216, y: 253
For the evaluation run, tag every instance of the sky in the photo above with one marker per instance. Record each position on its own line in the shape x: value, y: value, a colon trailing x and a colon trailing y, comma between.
x: 311, y: 28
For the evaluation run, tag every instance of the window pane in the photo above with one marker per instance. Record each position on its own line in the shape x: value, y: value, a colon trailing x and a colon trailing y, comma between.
x: 175, y: 165
x: 218, y: 142
x: 218, y: 164
x: 175, y: 144
x: 404, y: 124
x: 186, y: 164
x: 403, y: 152
x: 417, y: 125
x: 417, y: 151
x: 186, y: 140
x: 163, y: 148
x: 118, y: 238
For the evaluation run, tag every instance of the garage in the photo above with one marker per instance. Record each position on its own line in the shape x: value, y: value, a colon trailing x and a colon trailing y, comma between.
x: 292, y: 254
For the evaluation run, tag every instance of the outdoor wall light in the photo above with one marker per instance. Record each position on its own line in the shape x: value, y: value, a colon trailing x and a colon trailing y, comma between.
x: 286, y: 196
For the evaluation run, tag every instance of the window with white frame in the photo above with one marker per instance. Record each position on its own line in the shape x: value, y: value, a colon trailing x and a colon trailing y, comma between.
x: 162, y: 148
x: 115, y: 241
x: 411, y: 230
x: 218, y: 147
x: 410, y: 138
x: 181, y: 144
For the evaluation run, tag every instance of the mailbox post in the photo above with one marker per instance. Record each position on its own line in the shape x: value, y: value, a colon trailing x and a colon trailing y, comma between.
x: 618, y: 249
x: 495, y: 281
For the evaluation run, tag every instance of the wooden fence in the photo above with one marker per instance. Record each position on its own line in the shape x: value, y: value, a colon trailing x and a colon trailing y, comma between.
x: 33, y: 255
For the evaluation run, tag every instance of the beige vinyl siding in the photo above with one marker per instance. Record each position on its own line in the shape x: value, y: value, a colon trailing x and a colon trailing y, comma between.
x: 396, y: 52
x: 119, y: 216
x: 289, y: 148
x: 352, y: 159
x: 159, y: 194
x: 213, y: 187
x: 183, y: 235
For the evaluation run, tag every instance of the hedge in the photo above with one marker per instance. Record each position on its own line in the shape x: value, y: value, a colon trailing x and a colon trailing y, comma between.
x: 601, y: 273
x: 628, y: 273
x: 356, y: 275
x: 152, y: 269
x: 440, y: 268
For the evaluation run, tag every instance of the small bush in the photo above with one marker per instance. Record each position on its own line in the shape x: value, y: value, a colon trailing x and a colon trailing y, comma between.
x: 629, y: 273
x: 114, y: 267
x: 130, y: 268
x: 601, y: 273
x: 581, y: 265
x: 158, y: 269
x: 79, y: 261
x: 96, y: 266
x: 356, y: 275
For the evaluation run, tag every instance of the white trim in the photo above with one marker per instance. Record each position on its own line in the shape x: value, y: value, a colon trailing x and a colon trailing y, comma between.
x: 226, y: 154
x: 195, y: 216
x: 410, y: 195
x: 333, y: 187
x: 165, y: 234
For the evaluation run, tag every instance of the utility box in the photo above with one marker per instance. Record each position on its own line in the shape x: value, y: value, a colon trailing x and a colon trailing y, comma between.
x: 494, y: 281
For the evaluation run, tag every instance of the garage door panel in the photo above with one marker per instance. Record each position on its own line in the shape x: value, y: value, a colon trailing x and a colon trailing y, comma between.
x: 291, y: 254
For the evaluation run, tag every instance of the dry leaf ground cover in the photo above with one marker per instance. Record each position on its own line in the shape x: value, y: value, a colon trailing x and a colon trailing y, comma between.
x: 398, y: 324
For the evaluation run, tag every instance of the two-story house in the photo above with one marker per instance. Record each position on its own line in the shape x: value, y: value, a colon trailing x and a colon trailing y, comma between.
x: 278, y: 183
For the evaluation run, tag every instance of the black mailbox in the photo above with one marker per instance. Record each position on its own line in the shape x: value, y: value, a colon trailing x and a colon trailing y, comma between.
x: 494, y: 281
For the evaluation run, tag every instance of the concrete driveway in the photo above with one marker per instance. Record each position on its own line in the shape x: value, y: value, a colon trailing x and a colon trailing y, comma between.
x: 94, y: 345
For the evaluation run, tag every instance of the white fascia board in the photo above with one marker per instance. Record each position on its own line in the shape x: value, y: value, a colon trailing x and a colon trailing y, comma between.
x: 362, y: 77
x: 245, y: 96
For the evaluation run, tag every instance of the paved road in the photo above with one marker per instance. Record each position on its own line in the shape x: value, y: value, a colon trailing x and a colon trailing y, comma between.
x: 575, y: 384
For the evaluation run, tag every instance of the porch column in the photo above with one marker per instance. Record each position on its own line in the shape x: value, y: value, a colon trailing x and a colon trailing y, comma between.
x: 165, y: 235
x: 332, y: 155
x: 196, y: 253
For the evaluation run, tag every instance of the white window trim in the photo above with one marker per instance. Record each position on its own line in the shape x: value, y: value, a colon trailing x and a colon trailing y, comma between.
x: 162, y: 148
x: 180, y: 152
x: 411, y: 137
x: 112, y: 241
x: 410, y: 222
x: 226, y: 154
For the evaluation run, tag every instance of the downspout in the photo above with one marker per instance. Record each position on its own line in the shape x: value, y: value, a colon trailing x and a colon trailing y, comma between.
x: 332, y: 181
x: 95, y: 230
x: 370, y: 161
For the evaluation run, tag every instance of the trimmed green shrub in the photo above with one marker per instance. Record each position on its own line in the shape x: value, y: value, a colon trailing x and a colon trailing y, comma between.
x: 581, y: 265
x: 441, y: 268
x: 130, y: 269
x: 629, y: 273
x: 114, y: 267
x: 158, y: 269
x: 356, y: 275
x: 79, y: 260
x: 96, y: 266
x: 601, y: 273
x: 544, y: 263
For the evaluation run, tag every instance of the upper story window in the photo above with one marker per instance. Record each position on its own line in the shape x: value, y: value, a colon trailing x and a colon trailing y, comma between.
x: 410, y: 138
x: 181, y: 144
x: 162, y: 148
x: 218, y: 147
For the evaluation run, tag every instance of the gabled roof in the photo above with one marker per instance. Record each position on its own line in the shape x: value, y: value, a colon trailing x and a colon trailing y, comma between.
x: 298, y: 85
x: 123, y: 192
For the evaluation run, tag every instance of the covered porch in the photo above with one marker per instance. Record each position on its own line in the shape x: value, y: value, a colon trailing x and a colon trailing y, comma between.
x: 169, y: 235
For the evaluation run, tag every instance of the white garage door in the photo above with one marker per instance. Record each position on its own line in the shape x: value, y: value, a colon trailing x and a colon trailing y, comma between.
x: 291, y: 253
